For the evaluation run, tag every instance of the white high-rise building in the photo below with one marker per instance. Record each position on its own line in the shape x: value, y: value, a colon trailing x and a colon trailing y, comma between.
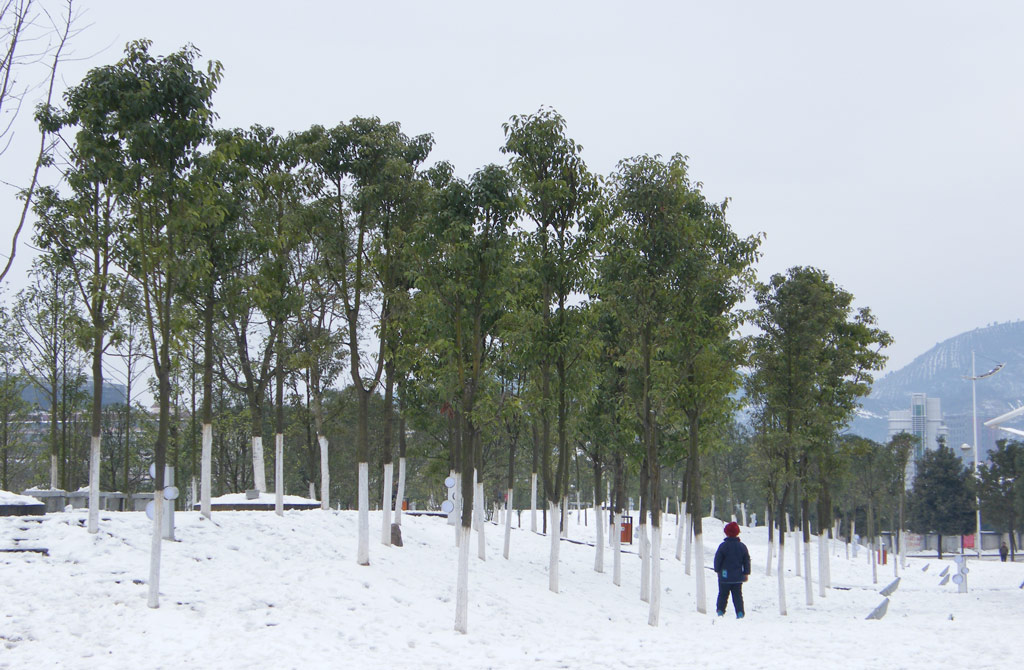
x: 924, y: 421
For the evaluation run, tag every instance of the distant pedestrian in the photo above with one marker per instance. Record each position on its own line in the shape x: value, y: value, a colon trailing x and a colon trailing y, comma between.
x: 732, y: 563
x: 1003, y: 552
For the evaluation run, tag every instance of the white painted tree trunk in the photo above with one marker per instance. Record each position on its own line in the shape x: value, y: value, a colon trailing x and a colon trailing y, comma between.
x: 712, y: 506
x: 896, y: 558
x: 385, y: 504
x: 478, y: 500
x: 453, y: 495
x: 508, y: 523
x: 533, y: 502
x: 702, y: 589
x: 797, y: 541
x: 206, y: 471
x: 874, y: 562
x: 325, y: 474
x: 688, y: 543
x: 462, y: 584
x: 554, y: 535
x: 456, y: 518
x: 645, y: 563
x: 279, y: 474
x: 400, y: 497
x: 363, y: 554
x: 477, y: 518
x: 828, y: 556
x: 743, y: 513
x: 153, y: 601
x: 565, y: 517
x: 808, y: 581
x: 312, y: 491
x: 616, y: 538
x: 679, y: 530
x: 822, y: 561
x: 853, y: 536
x: 53, y: 471
x: 259, y: 470
x: 771, y: 555
x: 655, y: 610
x: 94, y: 484
x: 782, y: 575
x: 903, y: 550
x: 598, y: 540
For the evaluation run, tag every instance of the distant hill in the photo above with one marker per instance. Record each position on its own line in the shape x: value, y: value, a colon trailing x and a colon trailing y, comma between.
x: 113, y: 394
x: 940, y: 372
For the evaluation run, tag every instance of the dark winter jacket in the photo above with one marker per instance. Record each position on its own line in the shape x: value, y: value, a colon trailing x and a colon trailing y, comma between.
x: 732, y: 561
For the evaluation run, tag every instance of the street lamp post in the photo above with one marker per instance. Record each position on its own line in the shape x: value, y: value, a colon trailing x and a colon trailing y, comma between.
x: 974, y: 403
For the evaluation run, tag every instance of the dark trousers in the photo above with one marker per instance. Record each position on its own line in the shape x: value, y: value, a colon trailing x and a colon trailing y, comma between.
x: 736, y: 590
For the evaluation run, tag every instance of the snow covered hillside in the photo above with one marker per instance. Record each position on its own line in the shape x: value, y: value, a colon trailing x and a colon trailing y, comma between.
x: 251, y: 589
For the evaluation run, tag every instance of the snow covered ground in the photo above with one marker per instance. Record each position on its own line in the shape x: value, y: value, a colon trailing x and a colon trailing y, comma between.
x: 251, y: 589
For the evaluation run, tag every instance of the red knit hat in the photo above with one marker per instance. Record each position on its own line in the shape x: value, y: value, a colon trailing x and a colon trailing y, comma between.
x: 732, y: 529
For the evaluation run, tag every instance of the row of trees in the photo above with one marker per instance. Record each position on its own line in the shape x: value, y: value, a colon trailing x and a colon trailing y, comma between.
x: 593, y: 319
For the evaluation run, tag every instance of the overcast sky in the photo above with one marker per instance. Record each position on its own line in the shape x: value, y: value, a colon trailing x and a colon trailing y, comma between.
x: 881, y: 142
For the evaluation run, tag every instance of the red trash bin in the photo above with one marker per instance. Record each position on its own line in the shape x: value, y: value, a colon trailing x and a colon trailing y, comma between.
x: 626, y: 532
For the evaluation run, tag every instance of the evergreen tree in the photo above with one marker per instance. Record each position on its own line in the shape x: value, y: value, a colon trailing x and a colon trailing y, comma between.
x: 1001, y: 490
x: 942, y: 498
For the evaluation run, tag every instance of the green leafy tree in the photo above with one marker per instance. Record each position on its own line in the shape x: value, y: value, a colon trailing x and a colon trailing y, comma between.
x: 463, y: 295
x: 83, y: 226
x: 157, y: 118
x: 258, y: 298
x: 942, y: 497
x: 16, y: 462
x: 358, y: 166
x: 901, y: 446
x: 46, y: 312
x: 560, y: 198
x: 813, y: 359
x: 1001, y: 490
x: 872, y: 467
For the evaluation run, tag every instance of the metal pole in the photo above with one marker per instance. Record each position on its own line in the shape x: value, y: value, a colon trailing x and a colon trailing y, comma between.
x: 977, y: 499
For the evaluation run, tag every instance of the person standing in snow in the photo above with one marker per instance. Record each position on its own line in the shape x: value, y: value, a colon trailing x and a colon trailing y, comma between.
x: 732, y: 563
x: 1004, y: 551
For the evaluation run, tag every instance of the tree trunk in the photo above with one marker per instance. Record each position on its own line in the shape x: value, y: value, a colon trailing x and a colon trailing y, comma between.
x: 805, y: 534
x: 96, y: 438
x: 782, y: 551
x: 598, y: 518
x: 693, y: 465
x: 555, y: 536
x: 508, y: 522
x: 465, y: 525
x: 362, y: 449
x: 279, y: 440
x: 645, y: 558
x: 533, y: 478
x: 387, y: 484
